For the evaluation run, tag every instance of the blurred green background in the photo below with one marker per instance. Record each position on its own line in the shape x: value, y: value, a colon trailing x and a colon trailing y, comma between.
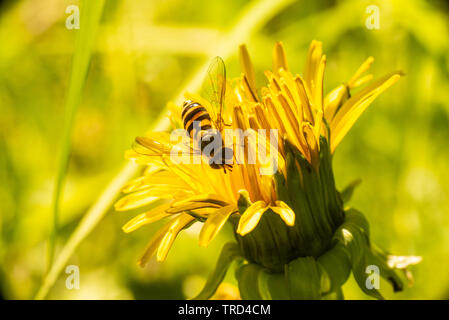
x: 144, y: 53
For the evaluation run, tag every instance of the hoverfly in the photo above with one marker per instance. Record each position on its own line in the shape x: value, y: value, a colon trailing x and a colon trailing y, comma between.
x: 204, y: 125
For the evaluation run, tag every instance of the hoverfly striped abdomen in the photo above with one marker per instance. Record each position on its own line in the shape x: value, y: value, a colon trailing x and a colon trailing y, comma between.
x: 193, y: 111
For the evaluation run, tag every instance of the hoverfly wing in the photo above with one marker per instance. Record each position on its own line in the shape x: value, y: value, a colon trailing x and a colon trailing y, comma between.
x: 150, y: 147
x: 214, y: 90
x: 154, y: 148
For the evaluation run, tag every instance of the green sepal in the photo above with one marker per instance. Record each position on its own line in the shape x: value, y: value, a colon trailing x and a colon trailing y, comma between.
x: 380, y: 259
x: 360, y: 276
x: 273, y: 286
x: 336, y: 265
x: 307, y: 233
x: 333, y: 201
x: 315, y: 197
x: 353, y: 234
x: 244, y: 201
x: 357, y: 219
x: 281, y: 188
x: 334, y: 295
x: 257, y: 283
x: 303, y: 279
x: 346, y: 193
x: 229, y: 253
x: 248, y: 278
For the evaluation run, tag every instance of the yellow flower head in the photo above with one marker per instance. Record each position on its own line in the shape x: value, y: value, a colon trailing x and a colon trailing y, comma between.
x: 293, y: 104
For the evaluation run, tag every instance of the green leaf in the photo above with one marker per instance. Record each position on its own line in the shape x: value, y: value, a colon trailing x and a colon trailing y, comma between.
x: 346, y: 193
x: 303, y: 279
x: 229, y: 253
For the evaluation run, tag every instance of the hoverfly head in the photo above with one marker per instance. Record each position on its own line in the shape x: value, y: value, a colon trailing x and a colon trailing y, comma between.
x: 186, y: 103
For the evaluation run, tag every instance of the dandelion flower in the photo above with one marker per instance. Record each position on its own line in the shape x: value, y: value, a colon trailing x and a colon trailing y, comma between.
x: 294, y: 239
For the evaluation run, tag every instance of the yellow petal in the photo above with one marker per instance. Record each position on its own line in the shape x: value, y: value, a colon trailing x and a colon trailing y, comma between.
x: 135, y: 185
x: 261, y: 116
x: 164, y: 177
x: 135, y: 200
x: 276, y: 119
x: 334, y: 100
x: 318, y: 82
x: 312, y: 143
x: 339, y: 95
x: 153, y: 245
x: 362, y: 80
x: 247, y: 67
x: 154, y: 144
x: 250, y: 93
x: 289, y: 87
x: 152, y: 175
x: 240, y: 119
x: 318, y: 125
x: 190, y: 206
x: 167, y: 240
x: 284, y: 211
x: 306, y: 98
x: 146, y: 218
x: 279, y: 59
x: 214, y: 223
x: 166, y: 191
x: 164, y: 238
x: 355, y: 106
x: 361, y: 70
x: 202, y: 198
x: 312, y: 63
x: 250, y: 218
x: 141, y: 158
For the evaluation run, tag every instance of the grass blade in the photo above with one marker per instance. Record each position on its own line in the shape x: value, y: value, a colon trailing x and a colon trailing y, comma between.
x: 89, y: 20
